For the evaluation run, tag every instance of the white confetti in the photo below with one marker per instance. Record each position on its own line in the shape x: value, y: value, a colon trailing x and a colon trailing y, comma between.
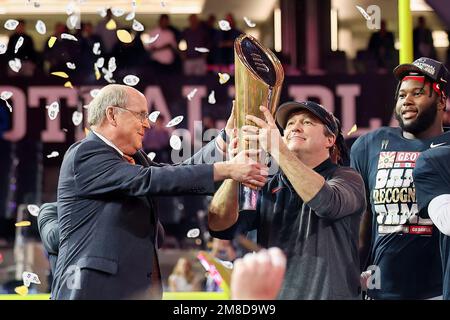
x: 96, y: 48
x: 174, y: 121
x: 5, y: 95
x: 249, y: 22
x: 94, y: 92
x: 29, y: 278
x: 130, y: 16
x: 137, y: 26
x: 191, y: 94
x: 70, y: 8
x: 71, y: 65
x: 112, y: 64
x: 118, y: 12
x: 363, y: 12
x: 8, y: 105
x: 77, y: 117
x: 212, y: 98
x: 40, y: 27
x: 33, y: 209
x: 72, y: 21
x: 175, y: 142
x: 131, y: 80
x: 163, y: 4
x: 151, y: 156
x: 19, y: 43
x: 100, y: 62
x: 15, y: 64
x: 3, y: 48
x: 224, y: 25
x: 11, y: 24
x: 108, y: 77
x: 202, y: 50
x: 53, y: 110
x: 68, y: 37
x: 223, y: 77
x: 54, y: 154
x: 153, y: 116
x: 102, y: 12
x: 152, y: 39
x: 193, y: 233
x: 227, y: 264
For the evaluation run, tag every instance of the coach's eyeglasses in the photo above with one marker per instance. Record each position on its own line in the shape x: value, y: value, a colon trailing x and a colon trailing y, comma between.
x: 142, y: 116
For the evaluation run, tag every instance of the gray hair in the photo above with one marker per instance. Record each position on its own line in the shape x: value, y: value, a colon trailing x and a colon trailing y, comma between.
x: 110, y: 95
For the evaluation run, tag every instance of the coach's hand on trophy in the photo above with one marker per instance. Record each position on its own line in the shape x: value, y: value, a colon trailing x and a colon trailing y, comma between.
x: 248, y: 171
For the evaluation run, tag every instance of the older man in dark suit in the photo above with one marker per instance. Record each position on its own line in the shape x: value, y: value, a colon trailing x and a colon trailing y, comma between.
x: 107, y: 220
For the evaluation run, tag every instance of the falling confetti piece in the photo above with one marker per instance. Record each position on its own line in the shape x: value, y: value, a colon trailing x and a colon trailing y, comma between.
x: 51, y: 41
x: 202, y: 50
x: 131, y: 80
x: 100, y: 62
x: 68, y: 37
x: 77, y: 117
x: 61, y: 74
x: 112, y: 64
x: 22, y: 291
x: 353, y: 129
x: 96, y: 48
x: 151, y: 156
x: 54, y: 154
x: 15, y: 64
x: 97, y: 73
x: 5, y: 95
x: 102, y: 12
x: 53, y: 110
x: 118, y: 12
x: 23, y: 224
x: 124, y: 36
x: 29, y: 278
x: 68, y: 84
x: 70, y: 8
x: 191, y: 94
x: 40, y: 27
x: 163, y: 4
x: 19, y: 43
x: 137, y: 26
x: 227, y: 264
x: 175, y: 142
x: 224, y: 25
x: 249, y: 22
x: 33, y: 209
x: 11, y: 24
x: 153, y: 116
x: 212, y: 98
x: 111, y: 25
x: 71, y: 65
x: 363, y: 12
x: 94, y: 92
x: 9, y: 106
x: 152, y: 39
x: 3, y: 48
x: 65, y: 130
x: 72, y: 21
x: 174, y: 121
x: 223, y: 77
x: 193, y: 233
x: 130, y: 16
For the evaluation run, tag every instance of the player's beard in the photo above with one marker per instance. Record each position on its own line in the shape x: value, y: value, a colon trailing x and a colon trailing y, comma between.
x: 424, y: 120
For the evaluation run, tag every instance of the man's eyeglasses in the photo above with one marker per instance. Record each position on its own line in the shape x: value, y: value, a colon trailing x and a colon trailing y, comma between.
x: 142, y: 116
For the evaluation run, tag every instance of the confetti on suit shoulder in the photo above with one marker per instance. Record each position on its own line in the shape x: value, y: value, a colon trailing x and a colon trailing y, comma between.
x: 193, y: 233
x: 124, y: 36
x: 33, y: 209
x: 151, y: 156
x: 15, y: 64
x: 29, y: 278
x: 174, y: 121
x: 223, y: 78
x: 175, y: 142
x: 77, y: 117
x: 11, y: 24
x: 23, y: 223
x: 68, y: 84
x: 224, y: 25
x: 191, y: 94
x: 212, y: 98
x: 131, y: 80
x: 54, y: 154
x: 51, y: 41
x: 111, y: 25
x: 40, y: 27
x: 22, y: 291
x: 61, y: 74
x: 249, y: 22
x: 352, y: 130
x: 153, y: 116
x: 363, y: 12
x: 137, y: 26
x: 201, y: 49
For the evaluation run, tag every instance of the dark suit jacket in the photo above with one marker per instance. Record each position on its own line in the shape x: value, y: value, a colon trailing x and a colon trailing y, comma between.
x: 108, y: 224
x: 48, y: 230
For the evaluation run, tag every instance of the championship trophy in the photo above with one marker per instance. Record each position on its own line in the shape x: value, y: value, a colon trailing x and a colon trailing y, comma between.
x: 258, y: 80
